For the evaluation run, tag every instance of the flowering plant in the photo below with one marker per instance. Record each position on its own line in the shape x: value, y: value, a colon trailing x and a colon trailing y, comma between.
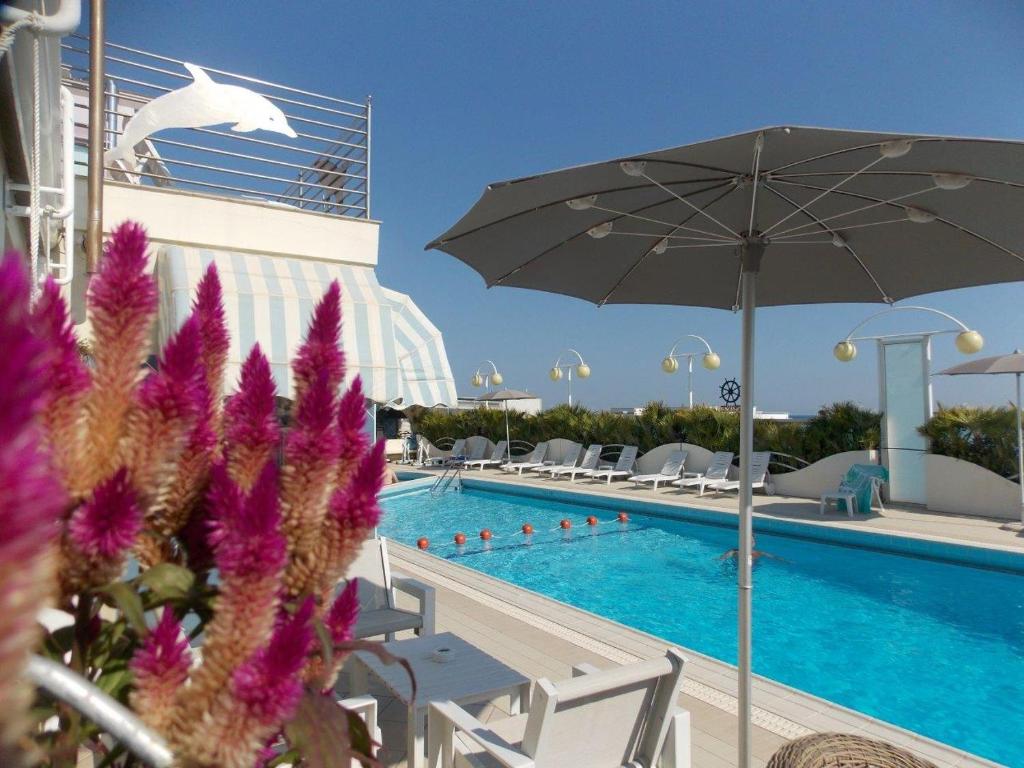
x: 240, y: 531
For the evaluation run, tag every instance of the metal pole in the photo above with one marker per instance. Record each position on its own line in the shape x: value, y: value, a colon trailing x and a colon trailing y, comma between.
x: 750, y: 255
x: 508, y: 440
x: 1020, y: 453
x: 94, y: 220
x: 369, y: 120
x: 569, y: 377
x: 689, y: 378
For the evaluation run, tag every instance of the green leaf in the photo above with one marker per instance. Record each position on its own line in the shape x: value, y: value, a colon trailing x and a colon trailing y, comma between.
x: 114, y: 682
x: 326, y: 736
x: 168, y: 581
x: 129, y: 603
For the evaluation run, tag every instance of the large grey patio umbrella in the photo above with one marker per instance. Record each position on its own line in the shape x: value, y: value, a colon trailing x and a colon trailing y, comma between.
x: 775, y: 216
x: 503, y: 396
x: 1000, y: 364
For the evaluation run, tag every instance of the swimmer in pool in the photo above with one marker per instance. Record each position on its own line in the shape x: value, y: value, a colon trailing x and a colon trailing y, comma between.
x: 755, y: 554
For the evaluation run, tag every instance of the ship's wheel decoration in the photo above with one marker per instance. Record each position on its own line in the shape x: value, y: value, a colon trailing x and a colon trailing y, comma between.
x: 730, y: 392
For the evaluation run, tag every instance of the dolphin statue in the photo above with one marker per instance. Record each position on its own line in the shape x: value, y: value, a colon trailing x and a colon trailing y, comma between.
x: 201, y: 104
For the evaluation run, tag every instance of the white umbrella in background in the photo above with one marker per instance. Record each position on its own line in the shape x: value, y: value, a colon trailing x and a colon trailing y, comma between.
x: 503, y: 396
x: 776, y: 216
x: 1000, y: 364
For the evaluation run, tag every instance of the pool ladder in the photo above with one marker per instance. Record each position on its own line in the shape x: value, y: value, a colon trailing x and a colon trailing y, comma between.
x: 452, y: 474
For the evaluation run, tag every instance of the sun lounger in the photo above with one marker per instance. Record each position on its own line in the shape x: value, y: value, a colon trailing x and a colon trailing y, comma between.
x: 475, y: 453
x: 670, y: 470
x: 623, y: 467
x: 718, y: 469
x: 497, y: 457
x: 572, y: 455
x: 623, y: 716
x: 761, y: 477
x: 458, y: 449
x: 533, y: 461
x: 590, y: 461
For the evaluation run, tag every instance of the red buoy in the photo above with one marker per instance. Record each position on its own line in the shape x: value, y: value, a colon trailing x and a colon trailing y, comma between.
x: 591, y: 520
x: 527, y: 529
x: 623, y: 517
x: 460, y: 539
x: 485, y: 534
x: 423, y: 542
x: 565, y: 524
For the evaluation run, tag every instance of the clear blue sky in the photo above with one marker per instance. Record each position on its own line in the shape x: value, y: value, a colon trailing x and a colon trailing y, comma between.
x: 466, y: 93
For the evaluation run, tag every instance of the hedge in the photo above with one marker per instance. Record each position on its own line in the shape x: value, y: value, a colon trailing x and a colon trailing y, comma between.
x: 835, y: 428
x: 984, y: 436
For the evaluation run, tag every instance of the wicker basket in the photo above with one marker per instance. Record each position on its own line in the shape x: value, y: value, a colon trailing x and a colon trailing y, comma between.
x: 843, y: 750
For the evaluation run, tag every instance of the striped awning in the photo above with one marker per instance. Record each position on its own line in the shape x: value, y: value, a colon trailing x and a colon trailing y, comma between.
x: 388, y: 341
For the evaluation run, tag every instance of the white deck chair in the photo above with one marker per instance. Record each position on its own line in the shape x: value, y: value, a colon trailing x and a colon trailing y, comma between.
x: 718, y: 469
x: 533, y: 461
x: 378, y: 614
x: 497, y: 457
x: 625, y: 716
x: 623, y: 466
x: 670, y: 470
x: 759, y: 465
x: 569, y: 459
x: 590, y: 461
x: 458, y: 448
x: 475, y: 453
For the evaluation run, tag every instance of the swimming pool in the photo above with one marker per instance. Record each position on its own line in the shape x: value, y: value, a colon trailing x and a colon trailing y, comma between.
x: 921, y: 641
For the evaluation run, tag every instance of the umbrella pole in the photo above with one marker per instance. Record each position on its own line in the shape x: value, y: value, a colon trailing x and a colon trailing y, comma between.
x: 508, y: 440
x: 1020, y: 454
x: 750, y: 255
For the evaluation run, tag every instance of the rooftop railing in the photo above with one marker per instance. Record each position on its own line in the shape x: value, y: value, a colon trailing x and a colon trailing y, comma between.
x: 326, y: 168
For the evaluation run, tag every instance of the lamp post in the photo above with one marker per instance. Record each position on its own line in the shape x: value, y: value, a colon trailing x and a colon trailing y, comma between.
x: 581, y: 368
x: 483, y: 377
x: 709, y: 360
x: 967, y: 341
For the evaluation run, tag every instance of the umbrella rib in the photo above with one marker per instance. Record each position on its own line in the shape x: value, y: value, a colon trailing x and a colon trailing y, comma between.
x: 564, y: 200
x: 885, y: 296
x: 855, y: 210
x: 701, y: 211
x: 716, y: 240
x: 758, y: 146
x: 833, y: 188
x: 546, y: 251
x: 946, y: 221
x: 835, y: 153
x: 788, y: 238
x: 640, y: 260
x: 712, y: 235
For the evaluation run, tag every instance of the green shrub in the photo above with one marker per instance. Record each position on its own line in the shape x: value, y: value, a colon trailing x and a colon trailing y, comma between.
x: 984, y: 436
x: 838, y: 427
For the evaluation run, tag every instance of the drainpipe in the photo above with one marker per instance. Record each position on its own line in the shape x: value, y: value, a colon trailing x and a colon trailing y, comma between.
x: 94, y: 212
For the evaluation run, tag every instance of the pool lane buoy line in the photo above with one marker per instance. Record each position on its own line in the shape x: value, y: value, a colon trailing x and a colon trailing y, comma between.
x: 524, y: 537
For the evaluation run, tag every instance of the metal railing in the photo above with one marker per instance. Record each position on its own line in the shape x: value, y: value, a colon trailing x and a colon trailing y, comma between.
x: 326, y: 168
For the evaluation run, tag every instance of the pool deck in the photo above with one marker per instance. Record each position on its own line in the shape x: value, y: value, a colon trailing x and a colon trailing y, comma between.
x: 541, y: 637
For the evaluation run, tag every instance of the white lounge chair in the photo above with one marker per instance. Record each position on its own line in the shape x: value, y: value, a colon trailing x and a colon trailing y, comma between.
x: 458, y: 448
x: 761, y: 479
x: 569, y: 459
x: 475, y: 452
x: 378, y: 613
x: 718, y: 469
x: 670, y: 470
x: 590, y: 461
x: 497, y: 457
x: 533, y: 461
x: 623, y: 466
x: 625, y: 716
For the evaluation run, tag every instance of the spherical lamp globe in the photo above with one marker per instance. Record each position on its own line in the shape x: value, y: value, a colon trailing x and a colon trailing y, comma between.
x: 845, y: 351
x: 712, y: 361
x: 497, y: 379
x: 969, y: 342
x: 477, y: 380
x: 670, y: 365
x: 583, y: 370
x: 555, y: 374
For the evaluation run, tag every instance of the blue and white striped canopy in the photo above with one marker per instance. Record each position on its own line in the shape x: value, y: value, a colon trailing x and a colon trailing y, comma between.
x: 388, y: 341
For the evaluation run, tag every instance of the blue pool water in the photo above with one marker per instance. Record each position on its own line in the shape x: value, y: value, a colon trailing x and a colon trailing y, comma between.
x: 933, y: 646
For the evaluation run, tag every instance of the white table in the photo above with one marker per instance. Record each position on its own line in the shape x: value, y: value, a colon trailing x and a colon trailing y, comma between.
x: 469, y: 676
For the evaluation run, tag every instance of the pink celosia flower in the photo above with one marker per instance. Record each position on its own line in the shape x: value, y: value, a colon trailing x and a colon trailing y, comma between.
x: 105, y: 526
x: 213, y: 330
x: 341, y: 618
x: 67, y: 377
x: 32, y: 499
x: 251, y: 430
x: 122, y: 304
x: 352, y: 437
x: 246, y: 536
x: 268, y: 684
x: 355, y: 506
x: 160, y: 666
x: 320, y: 353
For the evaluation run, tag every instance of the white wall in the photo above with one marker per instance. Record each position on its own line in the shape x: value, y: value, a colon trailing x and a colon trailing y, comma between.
x: 821, y: 476
x: 963, y: 488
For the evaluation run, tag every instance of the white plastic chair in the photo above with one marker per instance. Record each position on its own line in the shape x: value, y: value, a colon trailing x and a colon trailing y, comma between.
x: 569, y: 459
x: 497, y: 457
x: 623, y: 467
x: 718, y: 469
x: 759, y: 472
x: 533, y: 461
x: 378, y: 613
x: 670, y: 470
x: 590, y: 461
